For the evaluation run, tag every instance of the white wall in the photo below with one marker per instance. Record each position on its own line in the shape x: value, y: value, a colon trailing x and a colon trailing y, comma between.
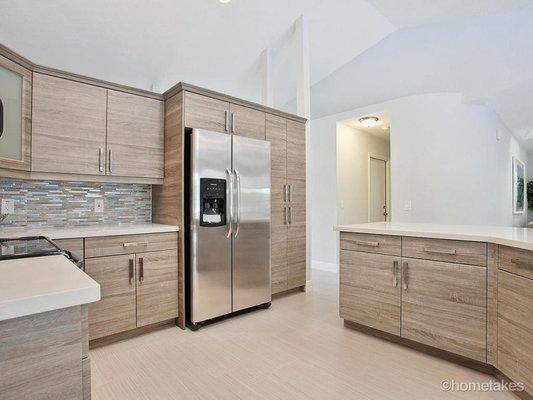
x: 353, y: 147
x: 445, y: 159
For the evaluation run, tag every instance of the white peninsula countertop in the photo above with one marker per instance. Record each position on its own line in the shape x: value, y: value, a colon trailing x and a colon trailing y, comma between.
x: 72, y: 232
x: 38, y: 284
x: 507, y: 236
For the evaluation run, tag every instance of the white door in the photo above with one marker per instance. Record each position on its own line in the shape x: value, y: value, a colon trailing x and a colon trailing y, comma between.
x: 377, y: 188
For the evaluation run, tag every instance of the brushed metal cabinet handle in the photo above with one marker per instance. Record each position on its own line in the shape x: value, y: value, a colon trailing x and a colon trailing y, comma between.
x: 285, y: 211
x: 522, y: 263
x: 290, y: 193
x: 290, y: 215
x: 394, y: 274
x: 226, y: 121
x: 285, y: 195
x: 101, y: 159
x: 134, y: 244
x: 110, y: 161
x: 131, y: 273
x: 440, y: 251
x: 232, y: 122
x: 366, y: 243
x: 405, y: 273
x: 141, y: 270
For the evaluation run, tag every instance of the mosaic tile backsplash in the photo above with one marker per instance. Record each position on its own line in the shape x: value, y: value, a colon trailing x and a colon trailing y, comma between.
x: 56, y: 204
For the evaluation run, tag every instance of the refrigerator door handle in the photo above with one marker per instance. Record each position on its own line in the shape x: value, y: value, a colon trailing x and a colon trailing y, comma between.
x: 229, y: 195
x: 238, y: 206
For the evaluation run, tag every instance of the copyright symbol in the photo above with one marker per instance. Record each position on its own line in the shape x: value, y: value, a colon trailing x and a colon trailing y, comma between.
x: 445, y: 386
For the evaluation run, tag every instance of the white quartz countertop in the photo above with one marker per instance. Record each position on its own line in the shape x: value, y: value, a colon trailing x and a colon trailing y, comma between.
x: 71, y: 232
x: 39, y: 284
x: 508, y: 236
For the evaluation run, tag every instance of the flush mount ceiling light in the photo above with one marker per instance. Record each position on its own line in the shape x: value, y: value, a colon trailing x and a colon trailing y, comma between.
x: 368, y: 122
x: 224, y: 1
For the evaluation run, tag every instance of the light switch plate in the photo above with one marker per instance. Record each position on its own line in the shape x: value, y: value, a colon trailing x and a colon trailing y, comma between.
x: 99, y: 205
x: 407, y: 205
x: 8, y: 206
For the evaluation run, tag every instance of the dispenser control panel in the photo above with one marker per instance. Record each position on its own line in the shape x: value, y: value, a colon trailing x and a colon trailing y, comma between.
x: 212, y: 202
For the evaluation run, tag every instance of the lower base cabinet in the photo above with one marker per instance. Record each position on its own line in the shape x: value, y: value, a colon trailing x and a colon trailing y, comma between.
x: 515, y: 328
x: 439, y: 304
x: 444, y: 305
x: 136, y: 290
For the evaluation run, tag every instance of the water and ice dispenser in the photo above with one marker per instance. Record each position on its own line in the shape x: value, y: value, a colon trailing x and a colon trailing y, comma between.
x: 212, y: 202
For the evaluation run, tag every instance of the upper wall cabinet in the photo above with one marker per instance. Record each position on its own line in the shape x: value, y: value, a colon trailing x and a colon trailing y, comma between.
x: 204, y: 112
x: 248, y: 122
x: 69, y: 126
x: 102, y: 134
x: 135, y: 140
x: 15, y: 116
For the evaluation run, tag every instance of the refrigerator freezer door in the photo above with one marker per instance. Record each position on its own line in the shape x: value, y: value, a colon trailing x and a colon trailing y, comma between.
x: 251, y: 233
x: 210, y: 246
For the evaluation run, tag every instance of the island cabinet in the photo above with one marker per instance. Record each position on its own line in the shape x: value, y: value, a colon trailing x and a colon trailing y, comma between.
x: 515, y: 315
x: 138, y: 276
x: 423, y: 290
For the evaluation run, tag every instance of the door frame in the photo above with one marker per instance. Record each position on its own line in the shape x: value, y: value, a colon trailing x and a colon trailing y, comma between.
x: 387, y: 180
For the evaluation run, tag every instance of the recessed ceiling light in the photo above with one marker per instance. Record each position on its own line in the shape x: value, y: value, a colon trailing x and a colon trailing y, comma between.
x: 385, y: 128
x: 368, y: 122
x: 224, y: 1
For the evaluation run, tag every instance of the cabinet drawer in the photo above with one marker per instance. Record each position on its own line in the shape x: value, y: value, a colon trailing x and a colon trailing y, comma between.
x: 517, y: 261
x: 515, y: 328
x: 455, y: 251
x: 129, y: 244
x: 379, y: 244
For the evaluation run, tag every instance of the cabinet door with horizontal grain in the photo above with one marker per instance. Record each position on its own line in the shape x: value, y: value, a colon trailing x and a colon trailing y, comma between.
x: 204, y: 112
x: 296, y: 256
x: 135, y: 136
x: 157, y: 286
x: 295, y: 150
x: 116, y: 311
x: 370, y: 290
x: 515, y: 328
x: 247, y: 122
x: 444, y: 305
x: 276, y: 134
x: 68, y: 127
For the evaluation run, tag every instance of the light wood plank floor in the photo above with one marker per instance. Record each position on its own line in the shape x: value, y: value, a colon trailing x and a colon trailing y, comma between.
x: 298, y: 349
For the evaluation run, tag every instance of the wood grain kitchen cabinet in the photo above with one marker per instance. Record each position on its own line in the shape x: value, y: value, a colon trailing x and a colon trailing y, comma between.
x: 296, y: 256
x: 75, y: 246
x: 246, y: 121
x: 444, y: 305
x: 116, y: 311
x: 15, y: 127
x: 295, y: 151
x: 69, y: 126
x: 206, y: 113
x: 370, y: 290
x: 41, y: 356
x: 276, y: 134
x: 157, y: 286
x: 515, y: 328
x: 135, y: 136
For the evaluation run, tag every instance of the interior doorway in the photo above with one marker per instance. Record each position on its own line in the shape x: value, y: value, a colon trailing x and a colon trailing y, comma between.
x: 378, y: 210
x: 363, y: 169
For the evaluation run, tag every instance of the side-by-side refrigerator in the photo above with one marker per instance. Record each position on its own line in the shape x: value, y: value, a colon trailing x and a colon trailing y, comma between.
x: 229, y: 225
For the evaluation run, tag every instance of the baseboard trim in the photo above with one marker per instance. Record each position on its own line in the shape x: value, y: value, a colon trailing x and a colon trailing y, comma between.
x: 324, y: 266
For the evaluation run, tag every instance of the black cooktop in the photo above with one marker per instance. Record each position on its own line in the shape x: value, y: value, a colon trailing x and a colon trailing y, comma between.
x: 31, y: 246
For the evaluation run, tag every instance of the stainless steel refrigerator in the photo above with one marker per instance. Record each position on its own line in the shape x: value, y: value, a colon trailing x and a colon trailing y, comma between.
x: 229, y: 225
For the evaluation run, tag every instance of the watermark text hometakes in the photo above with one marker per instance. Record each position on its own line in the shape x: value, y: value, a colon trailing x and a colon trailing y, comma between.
x: 489, y: 386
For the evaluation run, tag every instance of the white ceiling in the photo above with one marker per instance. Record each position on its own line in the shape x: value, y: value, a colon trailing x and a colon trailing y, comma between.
x: 155, y: 44
x: 409, y: 13
x: 381, y: 129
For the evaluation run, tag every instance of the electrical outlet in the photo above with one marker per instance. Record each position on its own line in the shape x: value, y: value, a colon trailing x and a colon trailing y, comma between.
x: 99, y: 205
x: 407, y: 205
x: 8, y: 206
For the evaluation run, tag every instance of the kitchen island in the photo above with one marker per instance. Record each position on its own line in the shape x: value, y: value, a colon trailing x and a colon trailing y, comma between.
x: 464, y: 292
x: 43, y: 328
